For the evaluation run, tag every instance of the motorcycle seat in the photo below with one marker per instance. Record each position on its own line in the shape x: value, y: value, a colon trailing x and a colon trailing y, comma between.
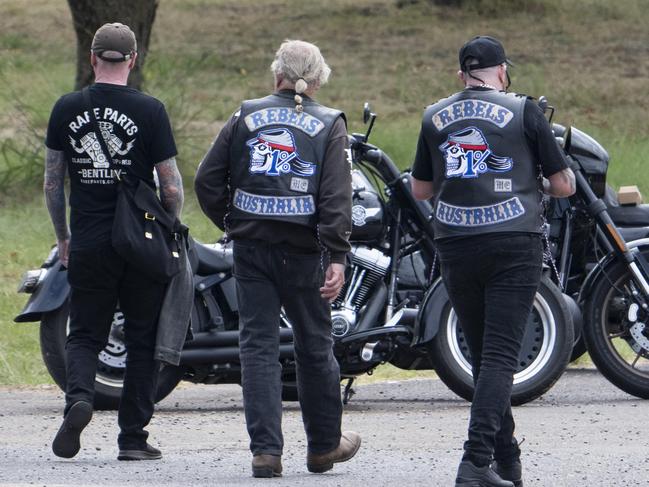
x: 633, y: 233
x: 630, y: 216
x: 213, y: 258
x: 625, y: 216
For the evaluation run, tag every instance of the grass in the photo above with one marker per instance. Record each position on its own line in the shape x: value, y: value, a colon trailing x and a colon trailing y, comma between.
x: 587, y: 56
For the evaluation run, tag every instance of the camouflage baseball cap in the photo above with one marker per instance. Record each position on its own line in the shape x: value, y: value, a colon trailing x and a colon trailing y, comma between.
x: 114, y: 42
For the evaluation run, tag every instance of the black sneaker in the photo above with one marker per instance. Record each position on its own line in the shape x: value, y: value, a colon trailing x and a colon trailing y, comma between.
x: 146, y: 453
x: 511, y: 471
x: 469, y: 475
x: 66, y: 443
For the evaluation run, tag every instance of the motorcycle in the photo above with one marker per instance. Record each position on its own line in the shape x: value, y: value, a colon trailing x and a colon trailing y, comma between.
x: 598, y: 250
x: 392, y: 308
x: 601, y: 249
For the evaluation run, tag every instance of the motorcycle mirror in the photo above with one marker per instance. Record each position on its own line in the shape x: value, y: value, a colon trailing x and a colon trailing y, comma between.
x: 368, y: 116
x: 543, y: 103
x: 567, y: 139
x: 367, y: 111
x: 545, y: 106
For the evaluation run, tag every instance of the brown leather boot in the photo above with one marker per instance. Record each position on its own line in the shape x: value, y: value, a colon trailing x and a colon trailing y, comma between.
x: 349, y: 444
x: 266, y: 466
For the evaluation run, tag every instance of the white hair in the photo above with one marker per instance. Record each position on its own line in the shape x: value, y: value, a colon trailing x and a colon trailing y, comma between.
x: 295, y: 60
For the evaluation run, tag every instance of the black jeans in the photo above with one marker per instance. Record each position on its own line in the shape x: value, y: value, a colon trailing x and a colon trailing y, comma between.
x: 269, y: 277
x: 100, y: 279
x: 491, y: 281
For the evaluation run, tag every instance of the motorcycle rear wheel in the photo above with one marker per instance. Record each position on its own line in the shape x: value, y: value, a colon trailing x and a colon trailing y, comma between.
x: 545, y: 352
x: 618, y: 347
x: 110, y: 366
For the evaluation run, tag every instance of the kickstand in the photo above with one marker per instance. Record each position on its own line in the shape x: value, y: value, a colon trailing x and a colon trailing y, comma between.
x: 349, y: 392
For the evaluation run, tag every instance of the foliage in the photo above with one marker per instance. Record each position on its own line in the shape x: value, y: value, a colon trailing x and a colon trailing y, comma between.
x: 89, y: 15
x: 488, y: 7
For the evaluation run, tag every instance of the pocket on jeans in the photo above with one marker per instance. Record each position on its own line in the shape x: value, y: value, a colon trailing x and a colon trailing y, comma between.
x: 243, y: 262
x: 302, y: 270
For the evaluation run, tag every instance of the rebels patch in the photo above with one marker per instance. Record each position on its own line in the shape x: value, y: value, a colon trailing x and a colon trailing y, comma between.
x: 479, y: 215
x: 472, y: 110
x: 308, y: 124
x: 273, y: 205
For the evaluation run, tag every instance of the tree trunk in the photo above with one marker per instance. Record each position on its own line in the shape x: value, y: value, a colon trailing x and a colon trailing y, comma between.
x: 89, y: 15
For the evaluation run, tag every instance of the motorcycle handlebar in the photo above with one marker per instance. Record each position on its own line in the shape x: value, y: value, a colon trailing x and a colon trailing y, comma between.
x: 377, y: 158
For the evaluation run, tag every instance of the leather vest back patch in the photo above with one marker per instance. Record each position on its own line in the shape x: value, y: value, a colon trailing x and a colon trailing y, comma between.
x: 275, y: 157
x: 485, y: 179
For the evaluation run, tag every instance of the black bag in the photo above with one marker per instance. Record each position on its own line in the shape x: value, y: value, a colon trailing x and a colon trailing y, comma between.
x: 144, y: 233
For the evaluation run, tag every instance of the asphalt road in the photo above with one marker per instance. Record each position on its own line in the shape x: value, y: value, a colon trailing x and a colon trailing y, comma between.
x: 584, y: 432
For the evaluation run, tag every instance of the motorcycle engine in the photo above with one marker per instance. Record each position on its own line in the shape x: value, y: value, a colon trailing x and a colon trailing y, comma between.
x: 368, y: 266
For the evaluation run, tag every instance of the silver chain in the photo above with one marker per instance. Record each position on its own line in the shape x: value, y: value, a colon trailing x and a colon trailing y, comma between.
x: 545, y: 228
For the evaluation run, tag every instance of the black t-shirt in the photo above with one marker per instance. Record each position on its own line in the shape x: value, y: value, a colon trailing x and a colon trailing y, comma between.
x: 539, y: 136
x: 138, y: 134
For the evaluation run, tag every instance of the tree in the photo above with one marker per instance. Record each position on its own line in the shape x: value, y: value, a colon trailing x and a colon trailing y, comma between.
x: 89, y: 15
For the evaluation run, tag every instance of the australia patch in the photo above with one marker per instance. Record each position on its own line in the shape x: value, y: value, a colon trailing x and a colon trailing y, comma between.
x: 273, y: 205
x: 478, y: 216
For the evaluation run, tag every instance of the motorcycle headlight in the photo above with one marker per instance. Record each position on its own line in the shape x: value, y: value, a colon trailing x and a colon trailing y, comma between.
x: 31, y: 280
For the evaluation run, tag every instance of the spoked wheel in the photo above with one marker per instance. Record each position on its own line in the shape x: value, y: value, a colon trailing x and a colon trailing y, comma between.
x: 111, y: 363
x: 617, y: 331
x: 544, y: 355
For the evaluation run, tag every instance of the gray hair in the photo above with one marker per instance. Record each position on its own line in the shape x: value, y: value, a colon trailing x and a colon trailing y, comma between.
x: 296, y: 60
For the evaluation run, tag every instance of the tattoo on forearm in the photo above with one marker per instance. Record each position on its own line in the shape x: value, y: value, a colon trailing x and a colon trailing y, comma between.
x: 54, y: 190
x: 171, y: 186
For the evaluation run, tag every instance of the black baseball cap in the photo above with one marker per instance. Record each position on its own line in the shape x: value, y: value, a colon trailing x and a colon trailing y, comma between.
x: 482, y: 52
x: 114, y: 42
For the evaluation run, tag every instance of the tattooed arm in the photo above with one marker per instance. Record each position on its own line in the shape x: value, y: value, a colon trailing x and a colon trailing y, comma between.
x: 171, y: 186
x: 55, y: 199
x: 560, y: 184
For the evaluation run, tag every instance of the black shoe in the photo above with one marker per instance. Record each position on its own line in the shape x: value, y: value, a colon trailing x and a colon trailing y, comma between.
x: 511, y: 471
x: 146, y: 453
x: 66, y: 443
x: 266, y: 466
x: 469, y: 475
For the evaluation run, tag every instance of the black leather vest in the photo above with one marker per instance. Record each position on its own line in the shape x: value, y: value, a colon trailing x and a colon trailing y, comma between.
x: 275, y: 159
x: 484, y: 176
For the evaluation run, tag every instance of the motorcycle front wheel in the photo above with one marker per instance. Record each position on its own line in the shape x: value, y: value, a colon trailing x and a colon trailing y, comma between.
x: 111, y: 362
x: 615, y: 330
x: 545, y: 351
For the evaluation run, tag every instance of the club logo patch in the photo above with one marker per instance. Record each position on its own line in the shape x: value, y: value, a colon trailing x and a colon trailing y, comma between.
x: 273, y: 152
x: 467, y: 155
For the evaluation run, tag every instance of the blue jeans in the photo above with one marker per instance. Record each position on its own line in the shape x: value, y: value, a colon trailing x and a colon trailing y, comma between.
x: 99, y: 279
x: 269, y: 277
x: 492, y: 280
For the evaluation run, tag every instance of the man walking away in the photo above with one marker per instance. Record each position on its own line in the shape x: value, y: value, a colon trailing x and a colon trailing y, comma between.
x: 137, y: 133
x: 484, y: 156
x: 278, y: 181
